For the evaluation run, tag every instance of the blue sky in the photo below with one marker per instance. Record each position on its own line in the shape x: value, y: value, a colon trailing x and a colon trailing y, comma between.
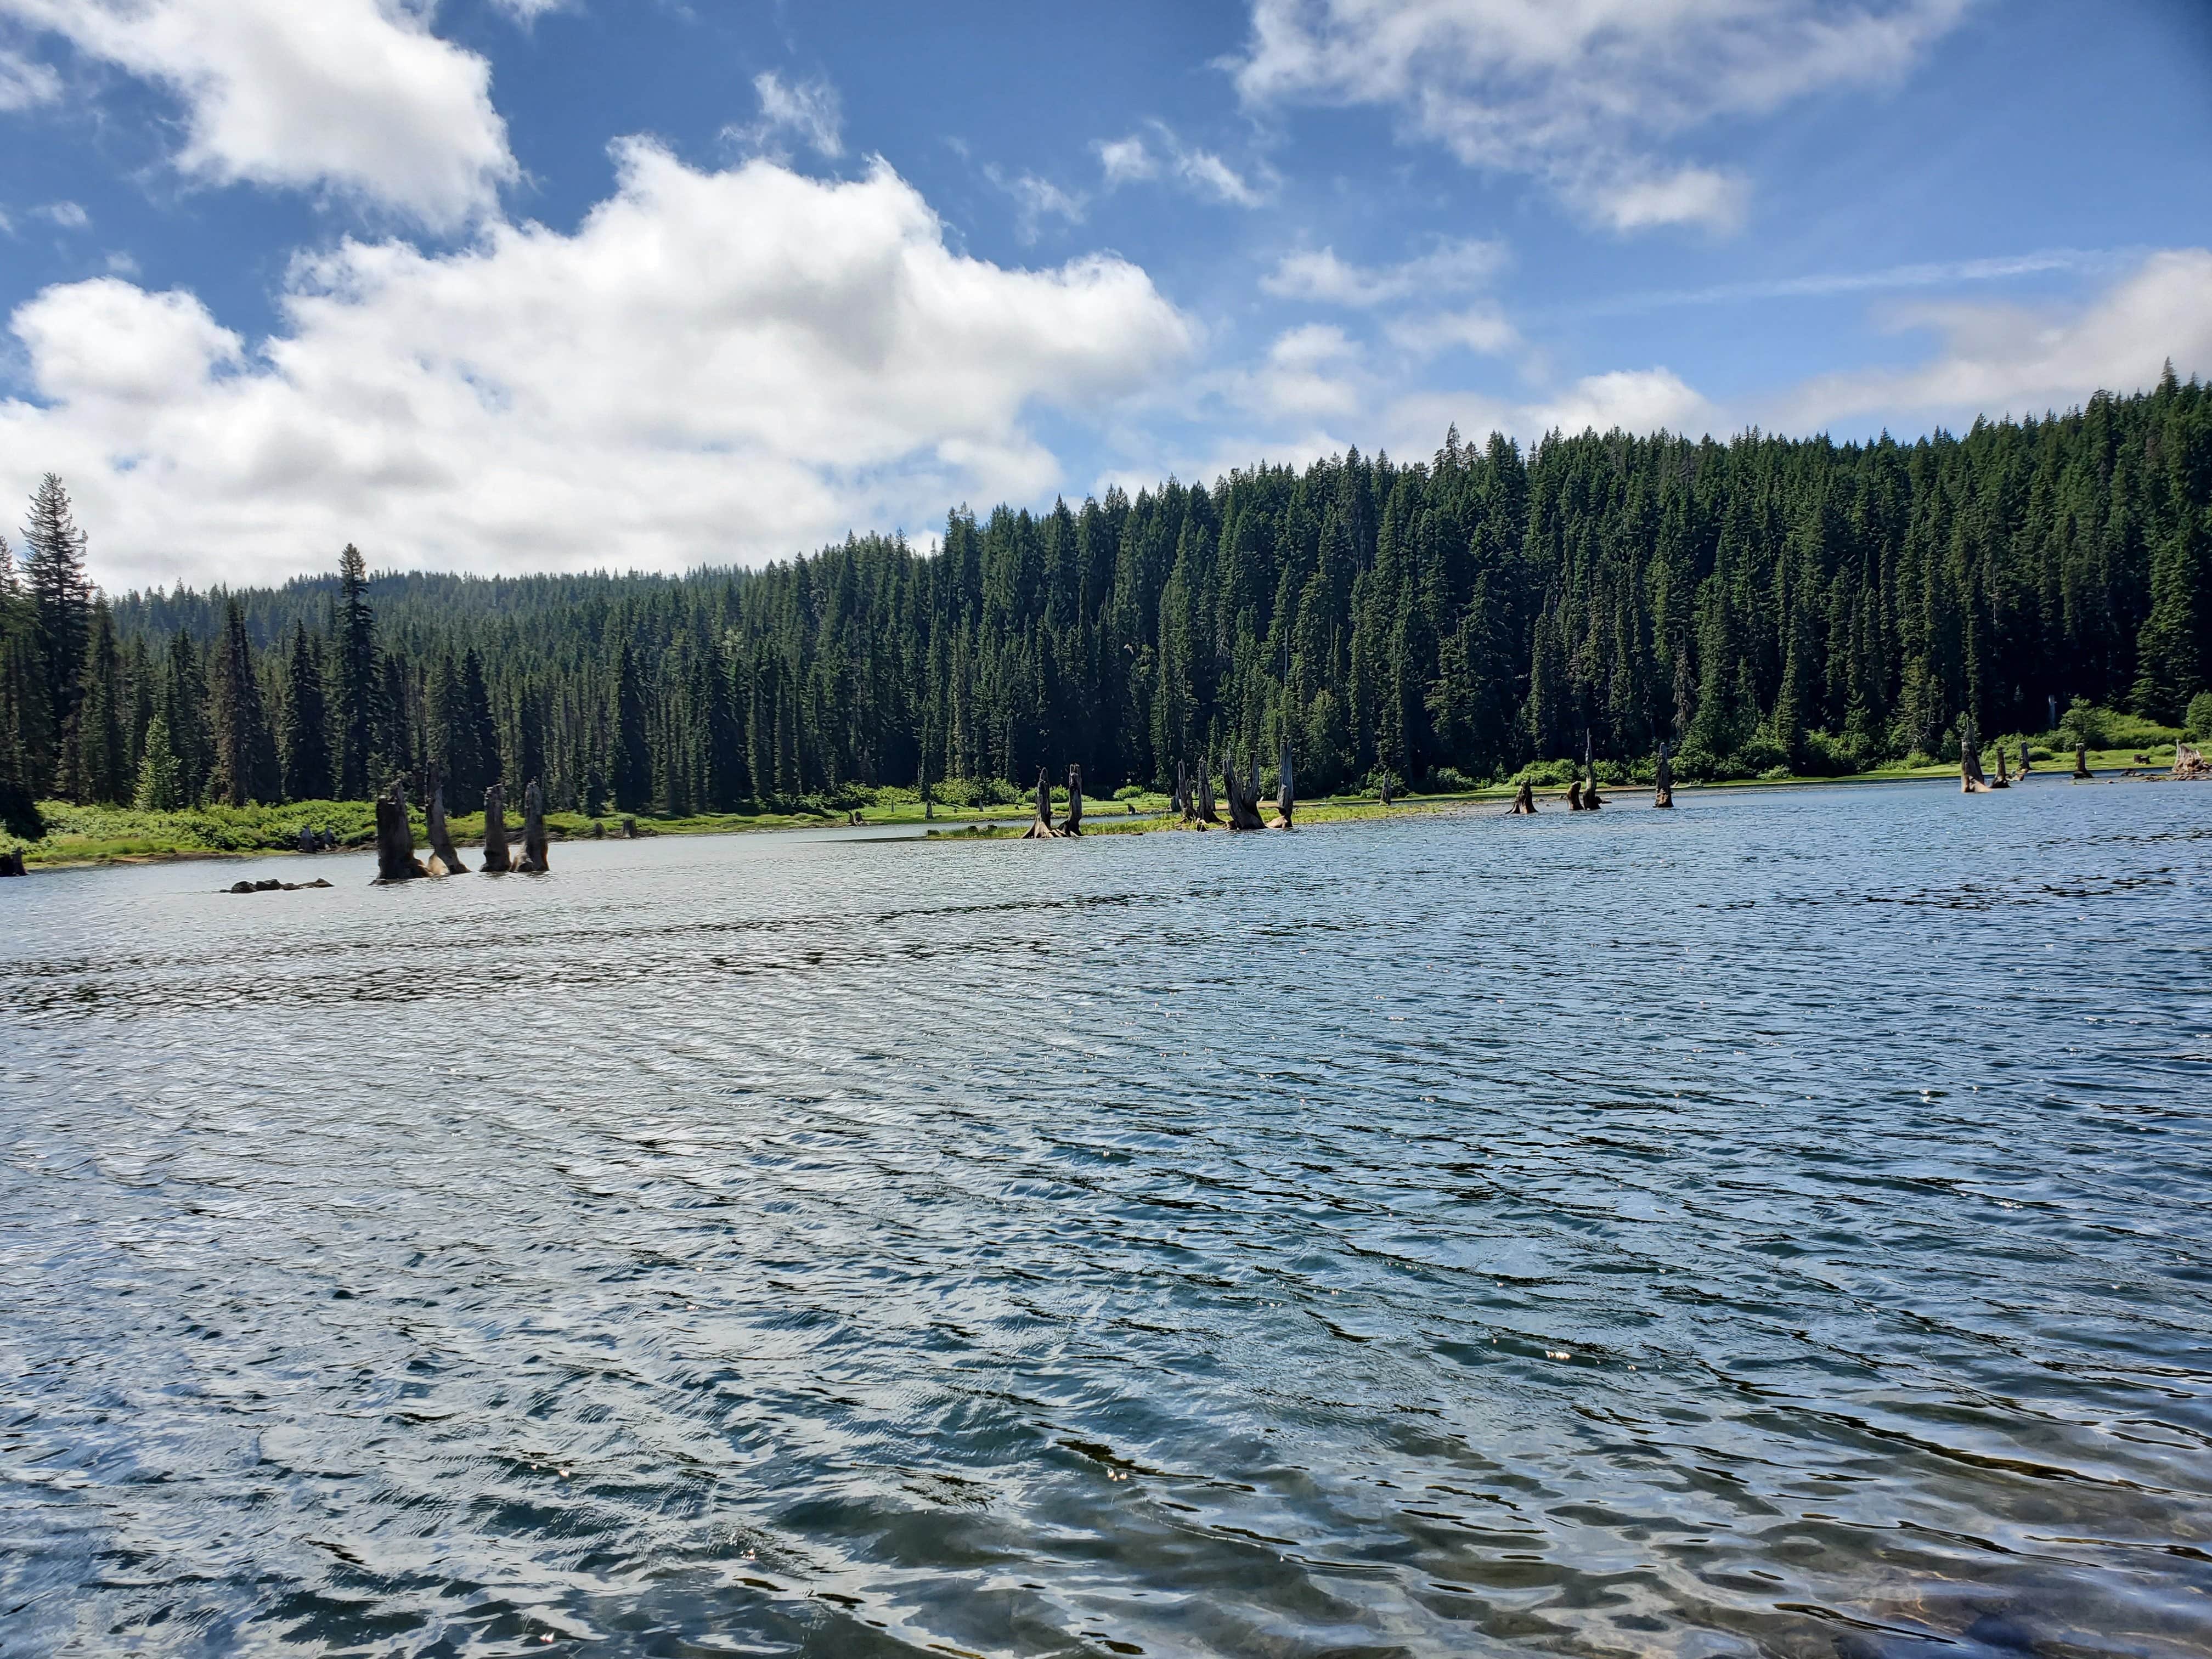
x: 501, y: 284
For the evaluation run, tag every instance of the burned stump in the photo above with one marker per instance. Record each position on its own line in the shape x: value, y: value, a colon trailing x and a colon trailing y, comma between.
x: 445, y: 860
x: 1971, y: 780
x: 1662, y: 780
x: 1041, y: 826
x: 1243, y: 796
x: 395, y: 839
x: 1524, y: 803
x: 1286, y: 799
x: 497, y: 861
x: 1575, y: 796
x: 534, y: 861
x: 1072, y: 825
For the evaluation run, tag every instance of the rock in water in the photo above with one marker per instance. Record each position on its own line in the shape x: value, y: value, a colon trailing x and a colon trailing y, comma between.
x: 496, y: 862
x: 533, y: 831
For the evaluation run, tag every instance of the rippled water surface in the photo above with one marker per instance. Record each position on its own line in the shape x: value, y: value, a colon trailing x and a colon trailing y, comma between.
x: 1777, y: 1226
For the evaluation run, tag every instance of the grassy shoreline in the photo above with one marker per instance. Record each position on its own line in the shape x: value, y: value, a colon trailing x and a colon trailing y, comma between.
x: 91, y: 836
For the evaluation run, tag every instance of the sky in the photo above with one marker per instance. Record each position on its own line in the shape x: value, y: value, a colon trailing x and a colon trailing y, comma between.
x: 529, y: 285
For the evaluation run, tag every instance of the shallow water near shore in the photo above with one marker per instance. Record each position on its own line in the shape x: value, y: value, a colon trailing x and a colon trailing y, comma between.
x: 1783, y: 1225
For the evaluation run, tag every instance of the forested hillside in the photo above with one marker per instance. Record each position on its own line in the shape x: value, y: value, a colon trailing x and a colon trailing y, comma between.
x: 1762, y: 603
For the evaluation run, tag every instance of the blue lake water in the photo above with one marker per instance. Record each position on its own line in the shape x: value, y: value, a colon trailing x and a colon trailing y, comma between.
x: 1783, y: 1226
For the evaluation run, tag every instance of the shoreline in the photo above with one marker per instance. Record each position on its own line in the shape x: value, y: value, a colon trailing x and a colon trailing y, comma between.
x: 999, y: 821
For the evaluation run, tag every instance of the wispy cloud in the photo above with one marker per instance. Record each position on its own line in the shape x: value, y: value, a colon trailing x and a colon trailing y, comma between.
x: 808, y: 111
x: 1938, y: 274
x: 1451, y: 267
x: 1036, y: 200
x: 1156, y: 154
x: 1586, y: 97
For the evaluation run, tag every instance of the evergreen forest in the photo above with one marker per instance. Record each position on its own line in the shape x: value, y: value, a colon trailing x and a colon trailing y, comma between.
x: 1765, y: 604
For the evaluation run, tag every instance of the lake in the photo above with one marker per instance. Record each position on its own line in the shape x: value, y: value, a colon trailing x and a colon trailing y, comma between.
x: 1783, y: 1225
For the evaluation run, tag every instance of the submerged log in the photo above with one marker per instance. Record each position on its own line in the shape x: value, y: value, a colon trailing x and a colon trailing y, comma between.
x: 1287, y: 799
x: 1073, y: 824
x: 1524, y: 803
x: 534, y: 861
x: 1662, y: 780
x: 445, y: 861
x: 395, y: 839
x: 2082, y: 761
x: 1041, y: 826
x: 497, y: 861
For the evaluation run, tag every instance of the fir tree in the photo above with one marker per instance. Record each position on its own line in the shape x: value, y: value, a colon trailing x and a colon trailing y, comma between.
x: 303, y: 742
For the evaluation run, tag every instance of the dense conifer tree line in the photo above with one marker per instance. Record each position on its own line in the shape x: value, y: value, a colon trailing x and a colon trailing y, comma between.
x: 1760, y: 603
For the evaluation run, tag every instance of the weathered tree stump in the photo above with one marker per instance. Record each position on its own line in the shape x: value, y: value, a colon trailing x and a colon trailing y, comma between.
x: 2082, y: 761
x: 534, y: 860
x: 1524, y: 803
x: 1205, y: 813
x: 2003, y: 778
x: 395, y: 839
x: 11, y: 864
x: 1971, y: 780
x: 445, y: 859
x: 1073, y: 824
x: 1041, y: 826
x: 2026, y: 767
x: 2189, y: 766
x: 1243, y: 795
x: 1287, y: 799
x: 497, y: 861
x: 1662, y: 780
x: 1386, y: 788
x: 1575, y: 796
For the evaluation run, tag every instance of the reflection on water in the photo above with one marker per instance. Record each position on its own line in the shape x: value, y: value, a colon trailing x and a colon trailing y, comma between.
x: 1777, y: 1226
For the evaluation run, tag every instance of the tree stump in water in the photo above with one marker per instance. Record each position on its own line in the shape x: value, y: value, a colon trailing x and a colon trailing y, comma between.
x: 1524, y: 803
x: 1243, y: 796
x: 1662, y: 780
x: 1575, y: 796
x: 496, y: 862
x: 1205, y: 813
x: 1386, y: 788
x: 2189, y: 766
x: 534, y: 849
x: 11, y: 864
x: 1073, y: 824
x: 2082, y: 761
x: 2004, y: 777
x: 1971, y: 780
x: 1041, y: 826
x: 395, y: 839
x: 445, y: 861
x: 2025, y: 767
x: 1285, y: 797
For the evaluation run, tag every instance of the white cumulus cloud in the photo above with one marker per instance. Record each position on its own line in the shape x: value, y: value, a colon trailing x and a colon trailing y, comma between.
x: 1584, y: 93
x: 356, y: 97
x: 715, y: 366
